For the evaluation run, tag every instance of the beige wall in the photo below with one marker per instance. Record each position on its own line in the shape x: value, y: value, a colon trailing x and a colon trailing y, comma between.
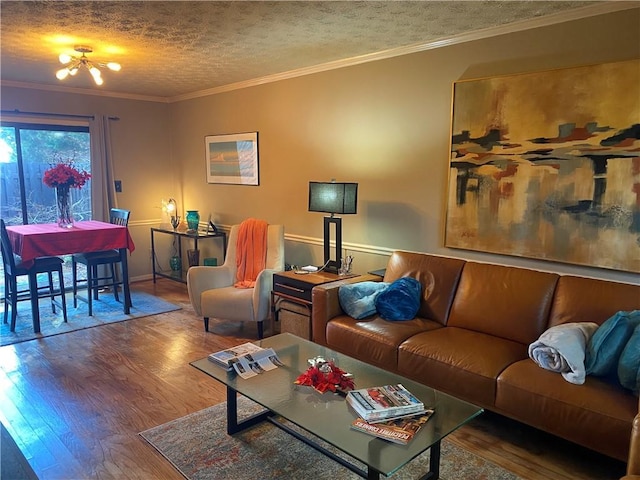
x: 383, y: 124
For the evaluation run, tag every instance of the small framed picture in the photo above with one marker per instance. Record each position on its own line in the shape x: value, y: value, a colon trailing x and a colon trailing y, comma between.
x: 232, y: 159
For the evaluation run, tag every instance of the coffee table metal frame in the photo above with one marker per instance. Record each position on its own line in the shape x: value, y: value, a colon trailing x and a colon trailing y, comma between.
x: 451, y: 413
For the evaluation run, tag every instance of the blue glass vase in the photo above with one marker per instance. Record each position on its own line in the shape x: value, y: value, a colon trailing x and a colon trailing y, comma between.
x: 193, y: 219
x: 175, y: 263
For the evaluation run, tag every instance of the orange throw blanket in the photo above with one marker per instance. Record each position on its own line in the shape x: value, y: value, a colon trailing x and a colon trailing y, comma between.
x: 251, y: 252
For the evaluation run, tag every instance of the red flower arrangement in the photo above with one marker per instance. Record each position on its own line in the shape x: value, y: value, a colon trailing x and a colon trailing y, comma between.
x: 325, y: 377
x: 64, y: 174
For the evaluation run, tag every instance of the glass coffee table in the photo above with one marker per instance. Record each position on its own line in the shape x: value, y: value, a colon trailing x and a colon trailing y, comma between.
x: 328, y: 416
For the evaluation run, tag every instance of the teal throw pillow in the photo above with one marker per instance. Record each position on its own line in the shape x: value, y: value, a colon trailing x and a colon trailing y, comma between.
x: 358, y: 300
x: 401, y: 300
x: 629, y: 364
x: 608, y: 341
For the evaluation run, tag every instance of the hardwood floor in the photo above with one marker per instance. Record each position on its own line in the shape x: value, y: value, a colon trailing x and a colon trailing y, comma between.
x: 75, y: 403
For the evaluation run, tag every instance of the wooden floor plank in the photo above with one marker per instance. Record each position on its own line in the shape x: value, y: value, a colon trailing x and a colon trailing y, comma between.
x: 75, y: 403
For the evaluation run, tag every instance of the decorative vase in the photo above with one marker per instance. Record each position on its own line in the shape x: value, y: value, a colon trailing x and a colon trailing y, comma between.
x: 63, y: 200
x: 193, y: 219
x: 193, y: 256
x: 175, y: 263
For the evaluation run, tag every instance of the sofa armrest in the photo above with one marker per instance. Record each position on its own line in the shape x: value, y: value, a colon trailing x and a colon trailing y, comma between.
x: 326, y: 304
x: 633, y: 466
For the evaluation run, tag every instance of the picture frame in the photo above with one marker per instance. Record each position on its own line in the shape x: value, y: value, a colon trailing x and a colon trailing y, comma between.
x: 544, y: 165
x: 232, y: 158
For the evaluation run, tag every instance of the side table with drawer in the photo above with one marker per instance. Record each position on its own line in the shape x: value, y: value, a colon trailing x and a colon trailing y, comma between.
x: 291, y: 302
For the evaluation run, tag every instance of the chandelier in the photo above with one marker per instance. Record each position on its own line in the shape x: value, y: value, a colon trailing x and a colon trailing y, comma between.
x: 73, y: 64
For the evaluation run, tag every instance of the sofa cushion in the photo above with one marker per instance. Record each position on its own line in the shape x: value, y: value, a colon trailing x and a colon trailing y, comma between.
x: 458, y: 361
x: 580, y: 299
x: 400, y: 300
x: 438, y: 275
x: 606, y: 344
x: 373, y: 339
x: 597, y: 414
x: 507, y: 302
x: 629, y: 364
x: 358, y: 300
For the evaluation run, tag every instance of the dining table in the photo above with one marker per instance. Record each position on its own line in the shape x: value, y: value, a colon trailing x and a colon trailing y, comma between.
x: 48, y: 239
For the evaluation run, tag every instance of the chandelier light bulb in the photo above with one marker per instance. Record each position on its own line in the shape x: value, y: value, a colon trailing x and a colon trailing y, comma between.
x: 65, y: 58
x: 97, y: 76
x: 73, y: 70
x: 62, y: 73
x: 114, y: 66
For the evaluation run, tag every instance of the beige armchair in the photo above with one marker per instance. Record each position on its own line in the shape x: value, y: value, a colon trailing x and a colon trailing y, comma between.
x: 213, y: 295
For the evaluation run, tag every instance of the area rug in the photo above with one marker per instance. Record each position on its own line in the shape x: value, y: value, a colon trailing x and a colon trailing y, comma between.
x: 199, y: 448
x: 105, y: 310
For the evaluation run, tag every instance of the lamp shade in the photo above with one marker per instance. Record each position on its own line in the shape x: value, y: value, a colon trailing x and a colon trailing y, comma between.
x: 333, y: 197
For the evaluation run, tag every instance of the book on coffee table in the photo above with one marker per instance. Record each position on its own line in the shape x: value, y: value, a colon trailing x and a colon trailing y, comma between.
x: 383, y: 403
x: 400, y: 430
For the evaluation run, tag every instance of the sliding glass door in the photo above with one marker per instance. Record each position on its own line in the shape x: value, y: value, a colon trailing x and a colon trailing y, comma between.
x: 26, y: 151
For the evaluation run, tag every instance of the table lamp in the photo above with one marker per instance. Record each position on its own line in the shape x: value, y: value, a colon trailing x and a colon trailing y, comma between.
x: 172, y: 210
x: 333, y: 197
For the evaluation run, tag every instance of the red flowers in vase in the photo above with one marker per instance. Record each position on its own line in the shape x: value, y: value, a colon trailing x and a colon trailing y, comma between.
x: 63, y: 177
x: 64, y: 174
x: 325, y: 377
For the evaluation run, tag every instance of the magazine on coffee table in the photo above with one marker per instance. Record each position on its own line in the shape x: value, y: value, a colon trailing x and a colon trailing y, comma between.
x: 248, y: 360
x: 401, y: 430
x: 383, y: 403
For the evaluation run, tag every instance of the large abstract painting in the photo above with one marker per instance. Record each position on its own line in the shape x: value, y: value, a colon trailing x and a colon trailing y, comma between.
x: 547, y: 165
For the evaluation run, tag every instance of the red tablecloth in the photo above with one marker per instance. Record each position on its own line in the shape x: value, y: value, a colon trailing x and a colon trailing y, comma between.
x: 41, y: 240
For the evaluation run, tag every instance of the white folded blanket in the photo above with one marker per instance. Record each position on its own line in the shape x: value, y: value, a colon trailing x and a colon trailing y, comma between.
x: 562, y: 349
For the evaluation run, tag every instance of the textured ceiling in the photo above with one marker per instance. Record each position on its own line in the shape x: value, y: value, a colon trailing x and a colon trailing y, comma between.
x: 172, y: 49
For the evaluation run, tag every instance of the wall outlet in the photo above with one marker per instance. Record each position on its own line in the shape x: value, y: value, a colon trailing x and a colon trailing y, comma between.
x: 118, y: 185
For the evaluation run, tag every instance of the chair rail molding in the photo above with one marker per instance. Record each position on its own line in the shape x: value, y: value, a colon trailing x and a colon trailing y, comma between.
x: 354, y: 247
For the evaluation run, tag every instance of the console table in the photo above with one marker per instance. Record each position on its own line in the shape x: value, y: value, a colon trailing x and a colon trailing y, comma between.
x: 195, y: 237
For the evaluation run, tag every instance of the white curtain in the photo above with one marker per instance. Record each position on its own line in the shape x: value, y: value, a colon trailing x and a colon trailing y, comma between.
x: 103, y: 196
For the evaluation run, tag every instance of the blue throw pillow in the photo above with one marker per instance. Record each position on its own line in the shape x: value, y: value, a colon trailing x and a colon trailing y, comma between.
x: 358, y: 300
x: 608, y: 341
x: 401, y: 300
x: 629, y: 364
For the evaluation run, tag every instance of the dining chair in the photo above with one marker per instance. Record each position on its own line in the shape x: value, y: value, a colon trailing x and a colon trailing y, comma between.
x: 14, y: 267
x: 93, y: 260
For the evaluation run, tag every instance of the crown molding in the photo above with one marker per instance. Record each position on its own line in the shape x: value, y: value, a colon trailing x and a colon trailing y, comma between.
x: 82, y: 91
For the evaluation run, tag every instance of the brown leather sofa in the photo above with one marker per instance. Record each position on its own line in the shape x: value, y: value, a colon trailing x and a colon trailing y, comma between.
x: 470, y: 339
